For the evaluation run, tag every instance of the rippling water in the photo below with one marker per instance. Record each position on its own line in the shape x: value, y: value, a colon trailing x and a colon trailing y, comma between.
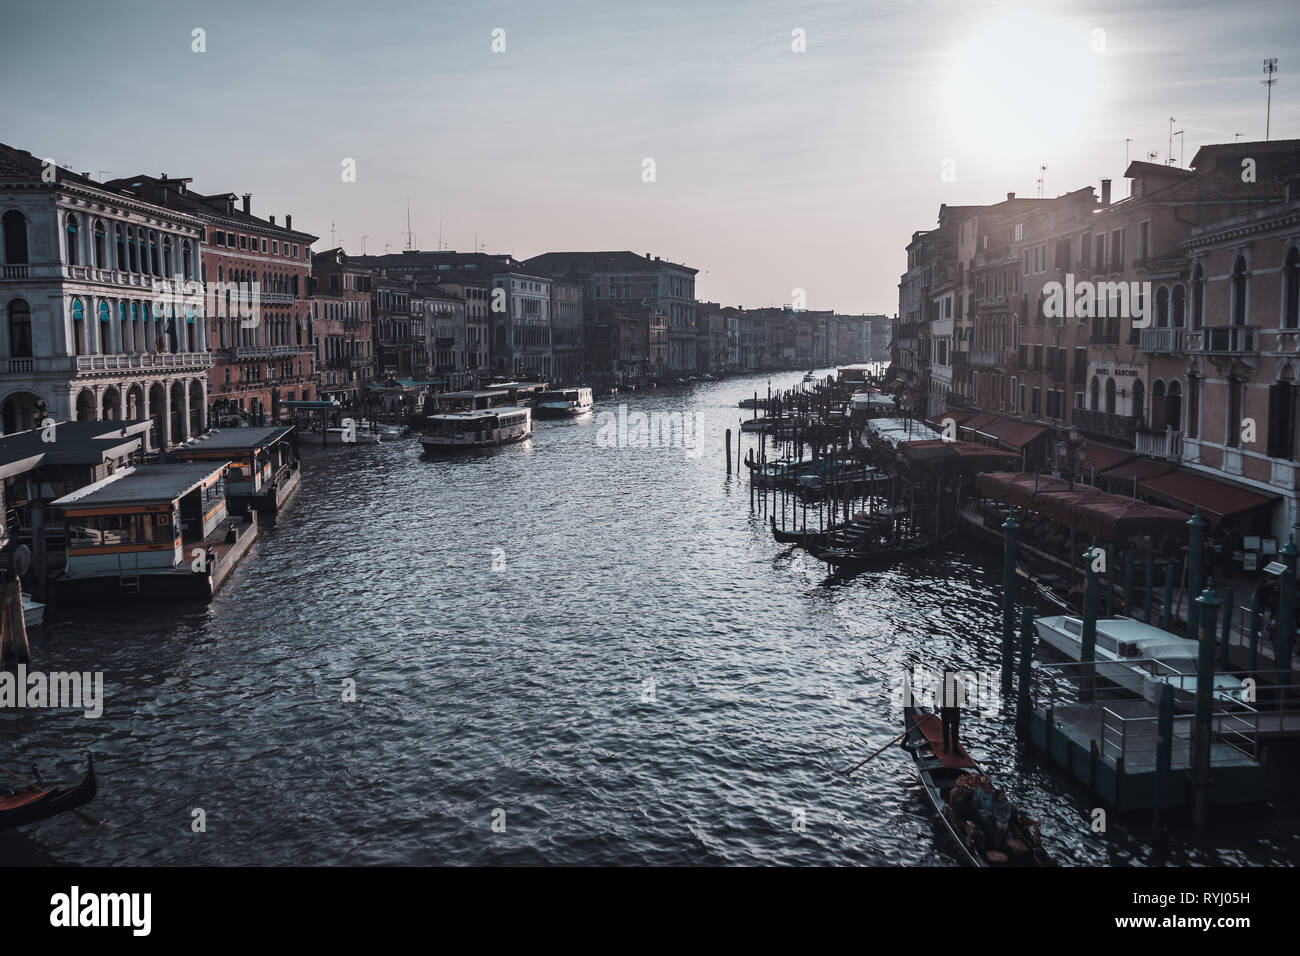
x: 650, y: 679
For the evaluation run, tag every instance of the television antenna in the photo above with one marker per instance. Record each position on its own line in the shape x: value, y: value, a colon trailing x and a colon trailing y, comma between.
x: 1169, y: 156
x: 410, y: 236
x: 1127, y: 140
x: 1042, y: 179
x: 1179, y: 134
x: 364, y: 237
x: 1270, y: 67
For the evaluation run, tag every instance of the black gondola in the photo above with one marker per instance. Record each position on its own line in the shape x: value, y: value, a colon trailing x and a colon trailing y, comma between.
x: 940, y: 773
x: 858, y: 557
x: 21, y: 809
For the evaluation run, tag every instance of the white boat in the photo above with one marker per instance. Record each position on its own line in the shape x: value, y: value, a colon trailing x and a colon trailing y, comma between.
x: 483, y: 428
x: 564, y: 401
x: 360, y: 433
x: 394, y: 432
x: 33, y: 611
x: 1147, y: 656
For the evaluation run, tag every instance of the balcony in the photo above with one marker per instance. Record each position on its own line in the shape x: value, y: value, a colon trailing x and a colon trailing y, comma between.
x: 1224, y: 340
x: 1105, y: 423
x: 140, y: 361
x: 268, y: 351
x: 14, y: 272
x: 20, y: 364
x: 1163, y: 341
x: 988, y: 357
x: 1160, y: 444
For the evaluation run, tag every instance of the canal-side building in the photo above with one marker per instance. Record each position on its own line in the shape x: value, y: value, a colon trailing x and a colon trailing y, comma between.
x: 343, y: 326
x: 521, y: 326
x: 566, y: 332
x: 261, y: 346
x: 446, y: 327
x: 398, y: 352
x: 102, y: 294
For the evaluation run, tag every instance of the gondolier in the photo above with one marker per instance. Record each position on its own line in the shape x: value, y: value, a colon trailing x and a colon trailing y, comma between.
x: 950, y: 710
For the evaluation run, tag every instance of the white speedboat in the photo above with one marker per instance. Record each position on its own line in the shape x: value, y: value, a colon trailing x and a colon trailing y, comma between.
x: 394, y: 432
x: 564, y: 401
x: 1145, y: 657
x: 359, y: 433
x: 33, y: 611
x: 484, y: 428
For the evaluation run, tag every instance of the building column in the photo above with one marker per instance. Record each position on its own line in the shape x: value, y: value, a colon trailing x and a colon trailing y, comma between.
x: 166, y: 429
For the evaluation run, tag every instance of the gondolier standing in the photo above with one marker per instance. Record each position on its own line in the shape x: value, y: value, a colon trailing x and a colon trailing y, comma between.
x: 950, y: 709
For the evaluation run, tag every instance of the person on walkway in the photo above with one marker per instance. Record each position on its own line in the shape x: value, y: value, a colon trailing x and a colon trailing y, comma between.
x: 950, y: 710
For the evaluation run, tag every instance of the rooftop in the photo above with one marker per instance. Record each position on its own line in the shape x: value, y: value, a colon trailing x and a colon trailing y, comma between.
x: 143, y: 484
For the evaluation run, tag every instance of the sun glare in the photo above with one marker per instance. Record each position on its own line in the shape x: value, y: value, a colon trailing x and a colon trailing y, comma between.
x: 1020, y: 86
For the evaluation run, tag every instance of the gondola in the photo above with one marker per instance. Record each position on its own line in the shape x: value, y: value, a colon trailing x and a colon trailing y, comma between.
x: 21, y: 809
x: 940, y: 773
x: 836, y: 535
x: 857, y: 558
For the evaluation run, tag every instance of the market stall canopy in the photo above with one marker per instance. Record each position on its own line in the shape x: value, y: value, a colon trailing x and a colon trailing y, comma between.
x: 1018, y: 487
x: 896, y: 430
x: 1097, y: 458
x: 1216, y: 499
x: 1114, y: 518
x: 959, y: 452
x: 1057, y: 504
x: 1140, y: 469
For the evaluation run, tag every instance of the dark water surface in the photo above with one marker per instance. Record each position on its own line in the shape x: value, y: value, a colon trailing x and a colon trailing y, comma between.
x: 529, y: 689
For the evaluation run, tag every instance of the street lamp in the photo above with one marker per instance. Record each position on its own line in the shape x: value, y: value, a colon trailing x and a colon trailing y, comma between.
x: 1074, y: 441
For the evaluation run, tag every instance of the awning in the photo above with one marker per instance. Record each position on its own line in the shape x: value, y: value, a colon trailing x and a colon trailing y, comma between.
x: 1115, y: 518
x: 979, y: 421
x: 1019, y: 488
x: 1190, y: 491
x: 966, y: 452
x: 1097, y: 458
x: 1057, y: 504
x: 1140, y: 469
x: 1015, y: 434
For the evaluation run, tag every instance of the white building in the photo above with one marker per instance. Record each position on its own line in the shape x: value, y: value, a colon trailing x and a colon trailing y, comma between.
x: 89, y: 334
x: 520, y: 310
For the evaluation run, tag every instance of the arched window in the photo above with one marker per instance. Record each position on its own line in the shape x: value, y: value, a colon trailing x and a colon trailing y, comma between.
x: 74, y: 257
x: 1095, y: 388
x: 1174, y: 406
x: 142, y: 251
x: 155, y: 267
x: 187, y: 260
x: 105, y: 329
x: 20, y: 329
x: 1282, y: 415
x: 1139, y: 395
x: 119, y: 238
x: 1162, y: 308
x: 1110, y: 396
x: 1158, y: 404
x: 168, y: 268
x: 1198, y: 298
x: 15, y: 238
x: 1291, y: 290
x: 128, y: 340
x: 1180, y: 307
x: 1193, y: 406
x: 78, y: 327
x: 101, y: 245
x: 1239, y: 289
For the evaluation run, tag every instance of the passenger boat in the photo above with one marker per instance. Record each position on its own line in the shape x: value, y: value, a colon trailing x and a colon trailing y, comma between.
x: 940, y: 774
x: 21, y: 809
x: 484, y: 428
x: 1147, y: 657
x: 565, y: 401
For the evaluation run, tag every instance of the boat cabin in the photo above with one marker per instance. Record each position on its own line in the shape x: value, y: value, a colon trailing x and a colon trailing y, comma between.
x: 157, y: 530
x: 521, y: 393
x: 471, y: 401
x: 264, y: 466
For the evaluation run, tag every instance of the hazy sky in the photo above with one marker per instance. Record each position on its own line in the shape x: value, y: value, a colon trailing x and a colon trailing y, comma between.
x: 774, y: 169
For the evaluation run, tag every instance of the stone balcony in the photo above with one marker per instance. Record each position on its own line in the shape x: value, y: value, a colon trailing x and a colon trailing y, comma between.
x: 1159, y: 444
x: 244, y: 352
x: 1105, y: 423
x: 1163, y: 341
x: 1224, y: 340
x: 141, y: 361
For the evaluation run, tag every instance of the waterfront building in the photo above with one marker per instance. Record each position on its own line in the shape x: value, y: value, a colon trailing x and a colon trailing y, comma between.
x: 102, y: 294
x: 568, y: 351
x: 446, y: 327
x: 399, y: 352
x: 622, y: 277
x: 264, y: 355
x: 520, y: 316
x: 343, y: 326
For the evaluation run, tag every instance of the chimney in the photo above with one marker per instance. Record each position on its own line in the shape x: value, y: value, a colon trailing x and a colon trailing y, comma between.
x: 1011, y: 195
x: 647, y: 255
x: 288, y: 222
x: 271, y: 219
x: 248, y: 201
x: 1105, y: 193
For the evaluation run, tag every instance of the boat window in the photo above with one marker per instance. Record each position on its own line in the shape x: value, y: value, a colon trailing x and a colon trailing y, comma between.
x: 1073, y: 625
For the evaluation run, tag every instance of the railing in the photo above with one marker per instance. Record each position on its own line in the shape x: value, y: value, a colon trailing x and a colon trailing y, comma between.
x: 20, y: 365
x: 13, y: 272
x: 1160, y: 444
x: 108, y: 363
x: 993, y: 357
x: 1105, y: 423
x: 1163, y: 341
x: 1229, y: 339
x: 268, y: 351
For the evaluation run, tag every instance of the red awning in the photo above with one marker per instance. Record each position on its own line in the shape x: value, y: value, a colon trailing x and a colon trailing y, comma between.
x: 979, y: 421
x: 1217, y: 499
x: 1115, y: 518
x: 1057, y: 504
x: 1019, y: 488
x: 1141, y: 468
x: 1100, y: 457
x: 1018, y: 434
x: 969, y: 452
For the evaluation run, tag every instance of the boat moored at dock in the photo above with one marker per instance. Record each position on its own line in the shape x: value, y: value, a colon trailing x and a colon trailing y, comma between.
x: 559, y: 403
x: 264, y: 466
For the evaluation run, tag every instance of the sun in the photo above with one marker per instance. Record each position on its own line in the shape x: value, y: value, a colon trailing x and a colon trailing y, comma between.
x: 1021, y: 85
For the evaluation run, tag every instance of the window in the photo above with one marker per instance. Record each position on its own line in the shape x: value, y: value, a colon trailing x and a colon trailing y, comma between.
x: 78, y: 327
x: 1198, y: 297
x: 1144, y: 240
x: 275, y: 247
x: 120, y: 241
x: 1100, y: 257
x: 74, y: 257
x: 1240, y: 278
x: 1117, y: 250
x: 20, y: 329
x: 101, y: 244
x: 1233, y: 422
x: 1281, y: 417
x: 1291, y: 290
x: 243, y: 242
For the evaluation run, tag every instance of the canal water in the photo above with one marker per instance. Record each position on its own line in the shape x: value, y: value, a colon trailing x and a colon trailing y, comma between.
x: 584, y: 649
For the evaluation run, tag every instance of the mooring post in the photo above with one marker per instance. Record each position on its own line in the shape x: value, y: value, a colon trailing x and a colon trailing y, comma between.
x: 1110, y: 580
x: 1168, y: 617
x: 1088, y: 644
x: 1253, y: 660
x: 728, y: 443
x: 1164, y: 753
x: 1195, y: 545
x: 1128, y: 582
x: 1286, y: 613
x: 1150, y: 581
x: 1207, y: 614
x: 1009, y: 529
x: 1026, y: 672
x: 1226, y: 630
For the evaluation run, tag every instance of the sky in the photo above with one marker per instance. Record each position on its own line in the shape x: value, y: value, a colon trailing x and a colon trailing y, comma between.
x: 773, y: 169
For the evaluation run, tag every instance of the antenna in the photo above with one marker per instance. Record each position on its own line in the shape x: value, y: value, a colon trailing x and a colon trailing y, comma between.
x: 364, y: 237
x: 103, y: 173
x: 1169, y: 156
x: 1181, y: 141
x: 1152, y: 156
x: 1236, y: 137
x: 1042, y: 178
x: 410, y: 236
x: 1270, y: 67
x: 1127, y: 140
x: 333, y: 244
